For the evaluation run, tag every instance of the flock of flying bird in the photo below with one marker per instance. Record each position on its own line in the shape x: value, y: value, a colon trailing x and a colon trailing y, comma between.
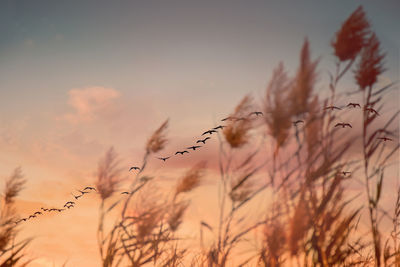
x: 67, y: 205
x: 345, y: 124
x: 88, y: 189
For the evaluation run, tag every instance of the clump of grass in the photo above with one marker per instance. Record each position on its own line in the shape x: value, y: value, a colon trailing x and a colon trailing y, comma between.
x: 11, y: 251
x: 350, y: 39
x: 237, y: 131
x: 108, y: 174
x: 191, y: 179
x: 303, y: 84
x: 278, y: 112
x: 158, y: 140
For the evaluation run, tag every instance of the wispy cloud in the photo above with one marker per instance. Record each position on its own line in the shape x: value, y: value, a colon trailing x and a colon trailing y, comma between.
x: 88, y: 102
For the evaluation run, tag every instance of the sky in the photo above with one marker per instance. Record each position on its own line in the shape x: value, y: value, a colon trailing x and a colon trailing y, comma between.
x: 77, y: 77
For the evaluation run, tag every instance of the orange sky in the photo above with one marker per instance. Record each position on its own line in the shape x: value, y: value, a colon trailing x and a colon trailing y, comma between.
x: 74, y: 82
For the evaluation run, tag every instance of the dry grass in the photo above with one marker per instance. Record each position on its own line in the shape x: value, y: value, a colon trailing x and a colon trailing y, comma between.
x: 11, y: 250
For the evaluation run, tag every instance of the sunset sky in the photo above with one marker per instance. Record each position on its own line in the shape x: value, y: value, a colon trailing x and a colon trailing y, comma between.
x: 77, y: 77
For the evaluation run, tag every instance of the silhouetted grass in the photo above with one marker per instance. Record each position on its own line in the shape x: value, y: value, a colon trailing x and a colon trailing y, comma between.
x: 303, y: 168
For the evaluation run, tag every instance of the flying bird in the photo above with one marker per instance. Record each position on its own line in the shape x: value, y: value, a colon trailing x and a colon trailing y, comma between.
x: 164, y: 159
x: 297, y: 122
x: 385, y: 139
x: 332, y: 108
x: 76, y: 197
x: 228, y: 118
x: 219, y: 127
x: 209, y: 132
x: 89, y: 188
x: 181, y: 152
x: 134, y: 168
x: 22, y: 220
x: 371, y: 110
x: 203, y: 223
x: 343, y: 125
x: 354, y: 105
x: 69, y: 203
x: 256, y: 113
x: 193, y: 147
x: 203, y: 141
x: 125, y: 193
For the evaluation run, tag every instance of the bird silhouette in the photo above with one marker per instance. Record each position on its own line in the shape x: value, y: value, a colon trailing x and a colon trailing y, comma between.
x: 385, y: 139
x: 256, y: 113
x: 193, y: 147
x: 164, y: 159
x: 69, y: 203
x: 354, y: 105
x: 371, y: 110
x: 343, y: 125
x: 134, y: 168
x: 297, y: 122
x: 89, y: 188
x: 209, y: 132
x: 181, y: 152
x: 76, y: 197
x: 332, y: 108
x: 228, y: 118
x: 219, y: 127
x: 203, y: 141
x: 125, y: 193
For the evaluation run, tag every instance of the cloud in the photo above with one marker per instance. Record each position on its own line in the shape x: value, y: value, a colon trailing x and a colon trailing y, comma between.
x: 88, y: 102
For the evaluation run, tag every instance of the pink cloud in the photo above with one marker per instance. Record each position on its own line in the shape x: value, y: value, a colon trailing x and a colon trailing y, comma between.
x: 90, y: 101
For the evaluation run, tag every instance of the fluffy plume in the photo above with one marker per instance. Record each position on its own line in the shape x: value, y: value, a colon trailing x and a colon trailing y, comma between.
x: 370, y: 65
x: 147, y: 222
x: 276, y: 106
x: 237, y: 131
x: 158, y: 140
x: 108, y: 174
x: 175, y: 218
x: 11, y: 250
x: 351, y: 36
x: 13, y: 186
x: 191, y: 179
x: 304, y: 82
